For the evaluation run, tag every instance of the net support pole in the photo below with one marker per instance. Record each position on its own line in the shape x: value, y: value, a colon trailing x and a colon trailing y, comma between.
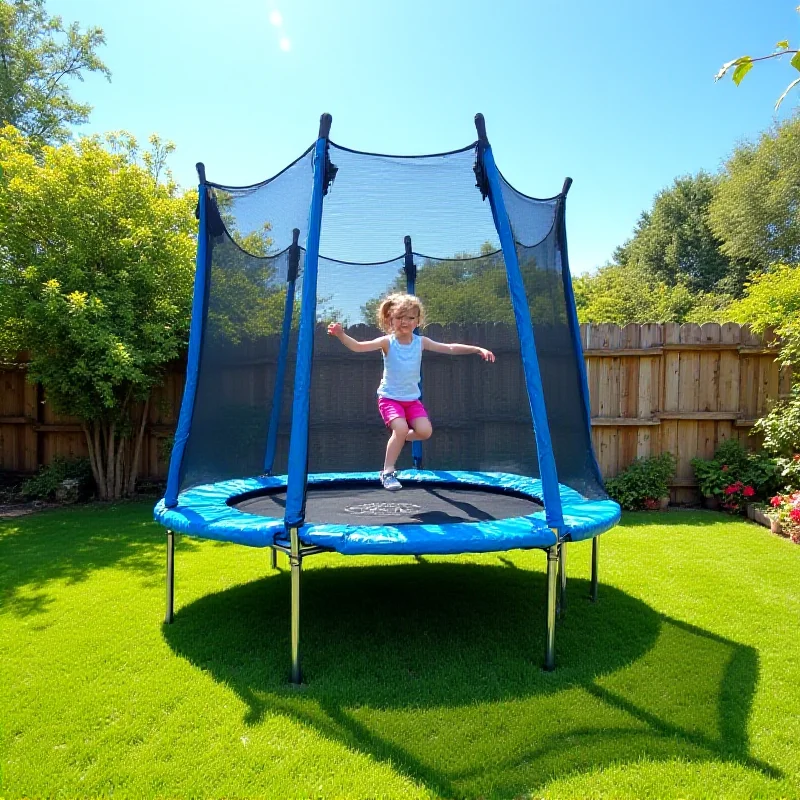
x: 595, y: 557
x: 199, y: 300
x: 411, y: 288
x: 280, y: 369
x: 522, y: 316
x: 562, y: 579
x: 298, y: 441
x: 298, y: 438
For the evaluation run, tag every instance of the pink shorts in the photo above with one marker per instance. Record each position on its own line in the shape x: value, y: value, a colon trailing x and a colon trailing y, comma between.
x: 400, y: 409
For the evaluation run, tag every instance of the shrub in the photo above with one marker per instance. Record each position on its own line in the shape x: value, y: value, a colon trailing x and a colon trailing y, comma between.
x: 44, y: 485
x: 735, y: 475
x: 643, y: 483
x: 781, y: 430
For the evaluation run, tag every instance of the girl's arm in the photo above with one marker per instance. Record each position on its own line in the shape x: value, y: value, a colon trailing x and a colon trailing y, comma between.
x: 456, y: 349
x: 335, y: 329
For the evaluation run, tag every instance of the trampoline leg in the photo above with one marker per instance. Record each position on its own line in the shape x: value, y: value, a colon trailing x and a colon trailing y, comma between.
x: 594, y: 569
x: 170, y: 576
x: 273, y: 558
x: 562, y: 579
x: 296, y: 561
x: 552, y: 570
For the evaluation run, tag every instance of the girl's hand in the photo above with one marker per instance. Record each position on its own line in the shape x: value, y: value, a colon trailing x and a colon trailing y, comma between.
x: 335, y: 329
x: 486, y: 355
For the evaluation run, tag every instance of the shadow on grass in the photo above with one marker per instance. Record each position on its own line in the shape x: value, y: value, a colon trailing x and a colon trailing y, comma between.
x: 434, y: 669
x: 70, y: 544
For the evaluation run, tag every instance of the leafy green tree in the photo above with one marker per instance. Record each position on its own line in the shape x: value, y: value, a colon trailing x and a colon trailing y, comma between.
x: 38, y: 56
x: 742, y: 65
x: 623, y: 294
x: 772, y: 300
x: 754, y: 210
x: 470, y: 288
x: 96, y: 269
x: 674, y: 245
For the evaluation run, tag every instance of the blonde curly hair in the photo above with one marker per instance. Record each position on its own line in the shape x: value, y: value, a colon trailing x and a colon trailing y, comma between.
x: 395, y: 303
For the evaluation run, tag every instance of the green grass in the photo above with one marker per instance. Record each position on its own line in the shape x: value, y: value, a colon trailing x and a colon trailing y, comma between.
x: 424, y: 679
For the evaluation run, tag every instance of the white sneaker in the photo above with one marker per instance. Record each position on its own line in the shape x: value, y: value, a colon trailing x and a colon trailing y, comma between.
x: 389, y: 481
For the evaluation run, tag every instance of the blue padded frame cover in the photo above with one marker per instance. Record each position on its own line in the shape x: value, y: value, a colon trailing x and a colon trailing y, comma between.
x: 193, y: 355
x: 204, y: 511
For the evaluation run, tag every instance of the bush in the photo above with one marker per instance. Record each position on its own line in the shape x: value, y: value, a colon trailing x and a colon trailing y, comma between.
x: 50, y: 478
x: 643, y: 483
x: 735, y: 475
x: 781, y: 430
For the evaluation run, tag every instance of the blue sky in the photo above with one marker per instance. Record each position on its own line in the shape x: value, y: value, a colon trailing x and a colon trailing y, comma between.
x: 619, y: 94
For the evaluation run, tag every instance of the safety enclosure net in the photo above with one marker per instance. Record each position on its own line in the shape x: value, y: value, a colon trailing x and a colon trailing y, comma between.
x: 246, y: 322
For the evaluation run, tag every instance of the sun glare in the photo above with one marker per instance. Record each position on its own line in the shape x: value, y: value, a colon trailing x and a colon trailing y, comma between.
x: 276, y: 18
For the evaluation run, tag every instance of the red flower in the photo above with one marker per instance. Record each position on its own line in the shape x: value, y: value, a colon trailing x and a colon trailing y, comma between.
x: 794, y: 515
x: 796, y: 457
x: 731, y: 489
x: 748, y: 491
x: 776, y: 501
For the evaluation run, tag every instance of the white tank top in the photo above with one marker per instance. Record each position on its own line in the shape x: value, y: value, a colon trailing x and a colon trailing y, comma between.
x: 401, y: 370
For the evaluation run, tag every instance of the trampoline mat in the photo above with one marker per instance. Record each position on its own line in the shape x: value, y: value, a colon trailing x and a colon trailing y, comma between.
x: 372, y: 505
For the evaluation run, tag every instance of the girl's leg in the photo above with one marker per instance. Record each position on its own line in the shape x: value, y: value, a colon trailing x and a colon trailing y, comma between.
x: 399, y: 428
x: 421, y: 430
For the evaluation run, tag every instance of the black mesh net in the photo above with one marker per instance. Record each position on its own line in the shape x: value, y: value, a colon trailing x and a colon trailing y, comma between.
x: 480, y: 412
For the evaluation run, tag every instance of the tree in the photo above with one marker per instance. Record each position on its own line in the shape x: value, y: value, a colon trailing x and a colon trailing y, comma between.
x: 674, y: 245
x: 623, y: 294
x: 755, y: 210
x: 38, y: 56
x: 96, y: 269
x: 742, y: 65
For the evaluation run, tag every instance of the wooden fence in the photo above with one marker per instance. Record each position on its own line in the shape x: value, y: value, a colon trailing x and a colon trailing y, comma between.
x: 653, y: 388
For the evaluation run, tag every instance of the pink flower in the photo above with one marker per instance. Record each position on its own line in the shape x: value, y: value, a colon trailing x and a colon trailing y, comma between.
x: 776, y: 501
x: 748, y: 491
x: 730, y: 489
x: 796, y: 457
x: 724, y: 467
x: 794, y: 515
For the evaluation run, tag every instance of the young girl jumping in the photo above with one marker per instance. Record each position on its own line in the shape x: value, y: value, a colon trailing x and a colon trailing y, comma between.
x: 398, y: 392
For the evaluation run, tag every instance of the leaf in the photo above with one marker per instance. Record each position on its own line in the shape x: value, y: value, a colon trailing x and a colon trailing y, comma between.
x: 735, y: 63
x: 788, y: 89
x: 795, y: 62
x: 783, y: 44
x: 742, y: 69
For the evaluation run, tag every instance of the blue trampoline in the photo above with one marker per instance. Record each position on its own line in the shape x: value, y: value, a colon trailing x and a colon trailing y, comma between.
x: 263, y: 453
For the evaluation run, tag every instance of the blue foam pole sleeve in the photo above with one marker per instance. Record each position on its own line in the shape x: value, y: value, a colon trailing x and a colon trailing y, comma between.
x: 280, y: 372
x: 530, y: 360
x: 416, y: 446
x: 193, y: 356
x: 298, y: 442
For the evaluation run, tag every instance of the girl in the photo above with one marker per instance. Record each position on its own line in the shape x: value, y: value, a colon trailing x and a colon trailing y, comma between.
x: 398, y: 393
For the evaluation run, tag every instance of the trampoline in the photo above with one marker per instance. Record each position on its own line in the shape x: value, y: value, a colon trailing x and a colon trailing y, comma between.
x: 263, y: 392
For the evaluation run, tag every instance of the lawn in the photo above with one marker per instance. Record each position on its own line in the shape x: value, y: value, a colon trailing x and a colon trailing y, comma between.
x: 424, y: 679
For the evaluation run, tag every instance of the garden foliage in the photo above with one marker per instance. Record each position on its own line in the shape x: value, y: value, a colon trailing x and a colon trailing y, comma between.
x: 643, y: 483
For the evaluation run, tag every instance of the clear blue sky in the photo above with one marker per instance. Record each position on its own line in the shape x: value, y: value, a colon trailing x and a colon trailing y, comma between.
x: 619, y: 94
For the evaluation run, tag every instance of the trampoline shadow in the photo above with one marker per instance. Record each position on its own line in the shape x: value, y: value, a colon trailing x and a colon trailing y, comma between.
x: 396, y: 657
